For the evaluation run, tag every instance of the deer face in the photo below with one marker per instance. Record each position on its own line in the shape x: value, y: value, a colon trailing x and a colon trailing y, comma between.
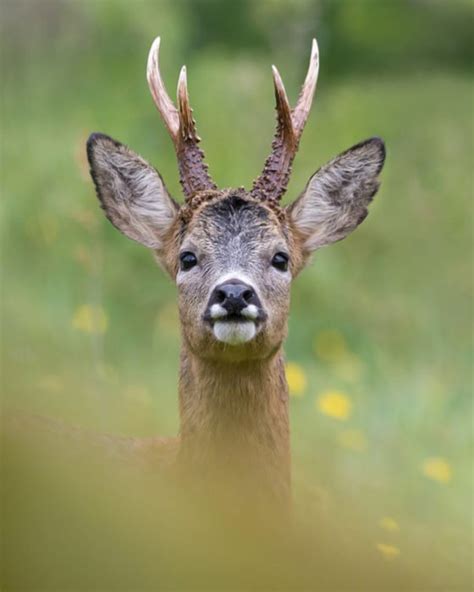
x: 232, y: 253
x: 234, y: 274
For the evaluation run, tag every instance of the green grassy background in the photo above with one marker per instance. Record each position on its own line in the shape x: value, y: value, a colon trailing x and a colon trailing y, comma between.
x: 396, y: 293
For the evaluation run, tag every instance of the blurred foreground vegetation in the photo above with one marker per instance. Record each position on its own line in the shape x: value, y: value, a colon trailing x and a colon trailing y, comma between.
x: 379, y: 349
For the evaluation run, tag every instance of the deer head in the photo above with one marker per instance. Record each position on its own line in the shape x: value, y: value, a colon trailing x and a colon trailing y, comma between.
x: 233, y: 253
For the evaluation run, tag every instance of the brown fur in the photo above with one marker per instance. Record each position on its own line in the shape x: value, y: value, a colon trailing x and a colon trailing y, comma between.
x: 234, y: 426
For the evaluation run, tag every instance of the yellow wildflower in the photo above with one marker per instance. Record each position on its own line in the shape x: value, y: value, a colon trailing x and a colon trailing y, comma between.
x: 438, y: 469
x: 90, y: 319
x: 389, y: 524
x: 388, y: 551
x: 330, y: 345
x: 296, y: 378
x: 334, y: 404
x: 353, y: 439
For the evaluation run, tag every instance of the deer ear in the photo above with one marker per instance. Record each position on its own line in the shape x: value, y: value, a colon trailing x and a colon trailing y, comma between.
x: 131, y: 192
x: 336, y: 197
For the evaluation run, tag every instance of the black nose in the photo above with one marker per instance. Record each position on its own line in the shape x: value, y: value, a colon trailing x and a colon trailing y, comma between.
x: 234, y: 296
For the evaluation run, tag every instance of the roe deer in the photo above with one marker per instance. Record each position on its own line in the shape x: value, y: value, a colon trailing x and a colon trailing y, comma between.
x: 233, y: 255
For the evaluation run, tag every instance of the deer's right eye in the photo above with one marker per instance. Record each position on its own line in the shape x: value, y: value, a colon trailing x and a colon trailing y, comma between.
x: 187, y: 260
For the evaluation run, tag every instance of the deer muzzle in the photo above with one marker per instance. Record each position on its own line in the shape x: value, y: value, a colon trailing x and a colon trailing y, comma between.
x: 234, y: 312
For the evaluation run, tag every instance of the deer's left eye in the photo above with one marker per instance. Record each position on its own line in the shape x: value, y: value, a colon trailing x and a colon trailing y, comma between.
x: 280, y: 261
x: 187, y: 260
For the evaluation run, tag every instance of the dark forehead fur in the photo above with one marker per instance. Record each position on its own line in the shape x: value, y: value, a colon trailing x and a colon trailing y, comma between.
x: 234, y: 212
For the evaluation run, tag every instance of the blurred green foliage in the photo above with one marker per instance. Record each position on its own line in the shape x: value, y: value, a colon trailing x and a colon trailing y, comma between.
x: 90, y: 331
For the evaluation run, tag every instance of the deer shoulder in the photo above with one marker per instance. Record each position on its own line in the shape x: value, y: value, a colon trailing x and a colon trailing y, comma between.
x: 61, y: 438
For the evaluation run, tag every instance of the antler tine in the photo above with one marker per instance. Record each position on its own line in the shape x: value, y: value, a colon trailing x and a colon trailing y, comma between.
x: 272, y: 183
x: 181, y: 126
x: 163, y: 103
x: 283, y: 108
x: 305, y: 99
x: 188, y: 125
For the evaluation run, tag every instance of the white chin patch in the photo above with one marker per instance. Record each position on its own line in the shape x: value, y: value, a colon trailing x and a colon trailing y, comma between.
x: 234, y: 333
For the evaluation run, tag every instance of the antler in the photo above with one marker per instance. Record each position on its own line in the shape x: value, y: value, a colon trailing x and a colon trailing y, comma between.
x: 273, y: 181
x: 181, y: 126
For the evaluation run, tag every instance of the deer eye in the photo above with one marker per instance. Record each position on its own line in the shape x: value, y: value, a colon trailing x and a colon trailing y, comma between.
x: 280, y: 261
x: 187, y: 260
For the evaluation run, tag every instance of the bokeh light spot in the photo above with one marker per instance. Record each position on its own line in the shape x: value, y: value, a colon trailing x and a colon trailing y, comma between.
x: 389, y: 524
x: 437, y: 469
x: 388, y: 551
x: 334, y: 404
x: 90, y: 319
x: 296, y: 378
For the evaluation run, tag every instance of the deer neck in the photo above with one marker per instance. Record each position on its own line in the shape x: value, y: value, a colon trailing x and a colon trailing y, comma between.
x: 234, y: 420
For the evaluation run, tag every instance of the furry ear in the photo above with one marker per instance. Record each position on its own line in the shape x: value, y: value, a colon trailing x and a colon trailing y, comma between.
x: 336, y: 197
x: 131, y: 192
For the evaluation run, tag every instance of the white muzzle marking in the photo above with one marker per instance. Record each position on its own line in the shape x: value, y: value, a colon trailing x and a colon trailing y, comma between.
x: 250, y: 312
x: 234, y: 333
x: 217, y: 312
